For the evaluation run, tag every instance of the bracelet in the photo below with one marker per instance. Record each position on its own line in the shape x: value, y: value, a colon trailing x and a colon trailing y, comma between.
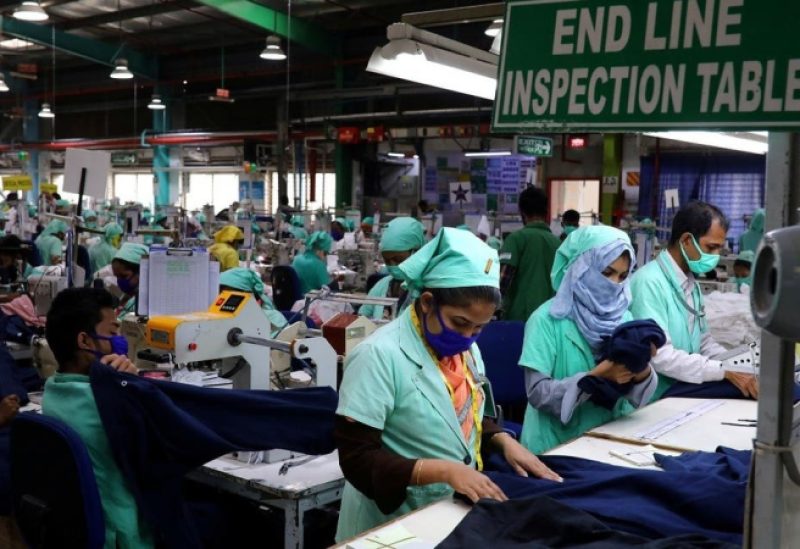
x: 419, y: 471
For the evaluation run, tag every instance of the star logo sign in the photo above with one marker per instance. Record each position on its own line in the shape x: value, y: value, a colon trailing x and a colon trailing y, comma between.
x: 461, y: 194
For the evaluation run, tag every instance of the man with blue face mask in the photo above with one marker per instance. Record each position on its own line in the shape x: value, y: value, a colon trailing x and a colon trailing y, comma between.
x: 666, y: 291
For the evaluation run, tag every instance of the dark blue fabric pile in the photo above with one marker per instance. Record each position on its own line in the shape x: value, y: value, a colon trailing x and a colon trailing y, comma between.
x: 159, y: 431
x: 712, y: 389
x: 697, y: 493
x: 630, y: 344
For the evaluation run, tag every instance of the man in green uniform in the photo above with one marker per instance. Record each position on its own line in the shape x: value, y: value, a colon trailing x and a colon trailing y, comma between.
x: 527, y: 258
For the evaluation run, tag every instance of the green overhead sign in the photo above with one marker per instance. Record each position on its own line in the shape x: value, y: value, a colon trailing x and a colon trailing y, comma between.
x: 533, y: 146
x: 617, y: 65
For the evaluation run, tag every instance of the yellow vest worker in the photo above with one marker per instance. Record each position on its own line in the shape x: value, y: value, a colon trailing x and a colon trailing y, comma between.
x: 227, y: 239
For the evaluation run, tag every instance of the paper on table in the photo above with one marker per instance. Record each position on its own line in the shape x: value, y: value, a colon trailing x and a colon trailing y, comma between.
x: 395, y: 536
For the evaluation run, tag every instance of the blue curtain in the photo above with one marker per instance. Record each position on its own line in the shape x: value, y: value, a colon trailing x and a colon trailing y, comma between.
x: 732, y: 182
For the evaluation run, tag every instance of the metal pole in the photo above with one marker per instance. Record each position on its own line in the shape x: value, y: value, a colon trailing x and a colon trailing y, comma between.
x: 771, y: 496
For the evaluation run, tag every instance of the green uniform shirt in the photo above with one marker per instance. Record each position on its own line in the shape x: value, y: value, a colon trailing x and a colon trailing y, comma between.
x: 530, y: 251
x: 69, y: 398
x: 556, y: 348
x: 311, y: 270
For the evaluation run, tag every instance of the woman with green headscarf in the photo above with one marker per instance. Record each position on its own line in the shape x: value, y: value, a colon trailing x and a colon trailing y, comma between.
x: 126, y: 265
x: 410, y: 422
x: 298, y: 227
x: 89, y: 218
x: 102, y: 253
x: 311, y: 266
x: 564, y: 338
x: 750, y: 239
x: 245, y: 280
x: 402, y: 237
x: 50, y: 242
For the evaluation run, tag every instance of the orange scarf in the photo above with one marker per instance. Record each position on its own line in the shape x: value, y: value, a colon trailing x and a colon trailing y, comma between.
x: 452, y: 369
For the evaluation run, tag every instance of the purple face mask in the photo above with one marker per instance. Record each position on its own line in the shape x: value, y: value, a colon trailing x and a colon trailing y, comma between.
x: 126, y: 286
x: 448, y: 342
x: 119, y: 345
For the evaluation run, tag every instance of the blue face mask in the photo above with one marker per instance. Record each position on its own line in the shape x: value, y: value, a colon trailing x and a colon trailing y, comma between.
x: 337, y: 235
x: 126, y: 286
x: 448, y: 342
x: 395, y: 272
x: 706, y: 263
x: 119, y: 345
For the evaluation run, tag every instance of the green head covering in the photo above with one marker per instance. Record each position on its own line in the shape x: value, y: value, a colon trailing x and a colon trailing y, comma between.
x: 368, y: 221
x: 747, y: 255
x: 454, y: 259
x: 319, y: 241
x: 201, y: 217
x: 464, y: 227
x: 346, y: 224
x: 580, y: 241
x: 64, y: 204
x: 54, y: 227
x: 32, y: 210
x: 132, y: 253
x: 89, y: 214
x: 298, y: 221
x: 494, y: 243
x: 757, y: 222
x: 112, y: 230
x: 403, y: 234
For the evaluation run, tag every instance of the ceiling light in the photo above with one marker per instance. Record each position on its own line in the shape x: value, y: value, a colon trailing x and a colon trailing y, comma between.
x: 46, y: 112
x: 486, y: 154
x: 417, y: 62
x: 497, y: 43
x: 19, y: 44
x: 495, y: 28
x: 121, y: 71
x: 156, y: 104
x: 273, y: 51
x: 3, y: 85
x: 30, y: 11
x: 750, y: 142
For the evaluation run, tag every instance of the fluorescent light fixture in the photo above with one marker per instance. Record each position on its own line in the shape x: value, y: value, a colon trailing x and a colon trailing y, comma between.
x: 30, y: 11
x: 497, y: 44
x: 46, y: 112
x: 3, y: 85
x: 273, y: 51
x: 401, y: 155
x: 495, y: 28
x: 121, y: 71
x: 156, y: 104
x: 486, y: 154
x: 411, y: 60
x: 751, y: 142
x: 19, y: 44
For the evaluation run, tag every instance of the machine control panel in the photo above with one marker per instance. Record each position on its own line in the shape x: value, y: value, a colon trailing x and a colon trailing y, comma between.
x: 231, y: 304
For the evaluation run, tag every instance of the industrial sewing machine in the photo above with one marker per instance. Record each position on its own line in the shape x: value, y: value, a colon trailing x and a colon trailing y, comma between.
x: 45, y: 287
x: 361, y: 261
x: 230, y: 336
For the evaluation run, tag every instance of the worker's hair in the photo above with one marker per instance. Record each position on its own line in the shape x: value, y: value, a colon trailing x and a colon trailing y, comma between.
x: 742, y: 263
x: 127, y: 264
x: 571, y: 217
x: 533, y: 203
x: 464, y: 297
x: 73, y: 311
x: 696, y: 218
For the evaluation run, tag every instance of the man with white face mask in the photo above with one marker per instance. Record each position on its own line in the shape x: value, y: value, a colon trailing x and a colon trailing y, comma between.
x: 666, y: 291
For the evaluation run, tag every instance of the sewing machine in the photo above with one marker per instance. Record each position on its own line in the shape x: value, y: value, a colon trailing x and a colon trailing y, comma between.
x: 45, y: 287
x: 231, y: 333
x: 745, y: 359
x: 360, y: 261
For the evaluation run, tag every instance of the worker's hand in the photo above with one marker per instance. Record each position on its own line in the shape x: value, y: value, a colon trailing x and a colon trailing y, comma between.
x: 9, y: 407
x: 522, y: 460
x: 466, y: 480
x: 120, y: 363
x: 612, y: 371
x: 746, y: 383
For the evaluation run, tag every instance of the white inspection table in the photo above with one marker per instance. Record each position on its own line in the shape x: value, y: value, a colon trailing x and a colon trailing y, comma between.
x: 687, y: 424
x: 303, y: 487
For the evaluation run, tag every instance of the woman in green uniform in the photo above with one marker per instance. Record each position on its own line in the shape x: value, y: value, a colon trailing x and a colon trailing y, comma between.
x: 402, y: 237
x: 311, y: 265
x: 410, y: 423
x: 126, y: 268
x: 563, y: 338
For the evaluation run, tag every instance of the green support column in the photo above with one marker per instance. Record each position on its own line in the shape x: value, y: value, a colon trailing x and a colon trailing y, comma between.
x: 161, y: 122
x: 344, y: 175
x: 612, y: 167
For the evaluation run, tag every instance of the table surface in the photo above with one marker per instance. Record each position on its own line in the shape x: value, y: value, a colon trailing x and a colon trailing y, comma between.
x: 318, y: 474
x: 599, y: 449
x: 700, y: 433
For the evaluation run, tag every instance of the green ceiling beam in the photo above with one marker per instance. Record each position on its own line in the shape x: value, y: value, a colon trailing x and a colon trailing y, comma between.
x: 276, y: 22
x: 86, y: 48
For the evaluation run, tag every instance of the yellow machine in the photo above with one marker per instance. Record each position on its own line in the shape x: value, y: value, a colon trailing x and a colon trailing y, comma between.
x: 232, y: 331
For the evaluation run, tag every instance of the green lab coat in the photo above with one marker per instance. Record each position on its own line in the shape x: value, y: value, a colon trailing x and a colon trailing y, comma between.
x: 658, y: 296
x: 530, y: 251
x: 556, y: 348
x: 101, y: 255
x: 391, y: 383
x: 311, y: 270
x: 49, y: 246
x: 69, y: 398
